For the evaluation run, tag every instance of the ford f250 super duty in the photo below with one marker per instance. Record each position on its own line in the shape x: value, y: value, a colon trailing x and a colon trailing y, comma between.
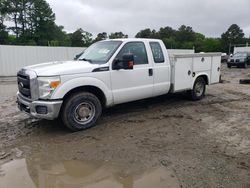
x: 108, y: 73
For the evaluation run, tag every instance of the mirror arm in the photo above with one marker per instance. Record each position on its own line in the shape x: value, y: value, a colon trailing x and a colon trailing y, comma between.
x: 116, y: 65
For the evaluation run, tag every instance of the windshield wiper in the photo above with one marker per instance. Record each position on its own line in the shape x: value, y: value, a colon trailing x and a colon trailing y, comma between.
x: 84, y: 59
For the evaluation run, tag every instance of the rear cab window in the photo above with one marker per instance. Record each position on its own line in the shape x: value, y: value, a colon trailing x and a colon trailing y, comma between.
x: 157, y: 52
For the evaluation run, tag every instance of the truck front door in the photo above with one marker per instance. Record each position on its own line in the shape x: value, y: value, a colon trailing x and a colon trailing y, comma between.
x: 130, y: 85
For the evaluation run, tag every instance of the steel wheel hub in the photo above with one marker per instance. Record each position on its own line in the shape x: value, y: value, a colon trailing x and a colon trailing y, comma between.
x: 84, y: 112
x: 199, y: 88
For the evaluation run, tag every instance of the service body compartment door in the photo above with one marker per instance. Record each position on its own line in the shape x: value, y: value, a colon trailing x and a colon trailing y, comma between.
x: 202, y: 64
x: 187, y: 67
x: 182, y: 74
x: 216, y: 69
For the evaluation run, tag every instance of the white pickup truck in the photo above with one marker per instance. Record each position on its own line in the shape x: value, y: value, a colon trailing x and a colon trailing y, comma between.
x: 108, y: 73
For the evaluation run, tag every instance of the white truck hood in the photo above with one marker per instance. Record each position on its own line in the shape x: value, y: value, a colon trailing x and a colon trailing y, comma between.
x: 62, y: 68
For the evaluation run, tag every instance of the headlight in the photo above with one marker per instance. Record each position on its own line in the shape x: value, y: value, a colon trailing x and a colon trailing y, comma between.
x: 47, y: 85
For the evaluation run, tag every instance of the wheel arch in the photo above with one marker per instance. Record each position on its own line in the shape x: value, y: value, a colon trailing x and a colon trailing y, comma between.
x: 88, y: 84
x: 88, y: 88
x: 204, y: 76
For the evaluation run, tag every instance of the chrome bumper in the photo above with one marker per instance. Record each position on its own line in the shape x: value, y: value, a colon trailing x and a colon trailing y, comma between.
x: 30, y: 107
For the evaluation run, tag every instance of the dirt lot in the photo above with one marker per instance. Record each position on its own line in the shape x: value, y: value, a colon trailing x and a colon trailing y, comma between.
x: 166, y: 141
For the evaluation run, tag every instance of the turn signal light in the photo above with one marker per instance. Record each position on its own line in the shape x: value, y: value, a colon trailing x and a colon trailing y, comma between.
x: 54, y: 84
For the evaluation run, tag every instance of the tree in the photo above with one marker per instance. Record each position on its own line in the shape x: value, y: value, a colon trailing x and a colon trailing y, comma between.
x: 185, y: 33
x: 170, y: 42
x: 184, y: 37
x: 13, y: 10
x: 87, y: 38
x: 81, y: 38
x: 101, y: 36
x: 168, y: 36
x: 117, y: 35
x: 166, y: 32
x: 146, y: 33
x: 199, y: 42
x: 33, y: 23
x: 234, y: 35
x: 212, y: 45
x: 3, y: 32
x: 60, y: 37
x: 16, y: 11
x: 42, y: 22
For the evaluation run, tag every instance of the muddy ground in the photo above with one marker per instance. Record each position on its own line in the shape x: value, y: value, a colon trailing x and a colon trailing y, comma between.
x: 166, y: 141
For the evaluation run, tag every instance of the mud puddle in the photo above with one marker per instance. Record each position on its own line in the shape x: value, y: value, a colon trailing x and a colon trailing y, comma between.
x: 23, y: 173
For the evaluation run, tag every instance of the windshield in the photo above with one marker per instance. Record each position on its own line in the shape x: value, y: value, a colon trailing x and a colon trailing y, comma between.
x: 100, y: 52
x: 240, y: 55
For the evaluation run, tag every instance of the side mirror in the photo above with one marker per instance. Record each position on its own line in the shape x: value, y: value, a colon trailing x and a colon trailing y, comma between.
x: 126, y: 63
x: 76, y: 57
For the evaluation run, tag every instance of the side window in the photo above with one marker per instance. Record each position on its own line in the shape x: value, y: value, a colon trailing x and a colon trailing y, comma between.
x: 137, y: 49
x: 157, y: 52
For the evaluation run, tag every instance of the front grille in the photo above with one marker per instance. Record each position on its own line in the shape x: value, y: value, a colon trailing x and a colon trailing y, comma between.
x: 237, y: 60
x: 232, y: 61
x: 23, y: 82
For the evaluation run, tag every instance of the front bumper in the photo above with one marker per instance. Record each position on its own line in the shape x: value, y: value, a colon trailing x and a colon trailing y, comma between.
x: 31, y: 107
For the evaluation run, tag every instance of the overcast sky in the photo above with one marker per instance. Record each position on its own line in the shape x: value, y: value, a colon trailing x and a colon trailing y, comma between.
x: 210, y: 17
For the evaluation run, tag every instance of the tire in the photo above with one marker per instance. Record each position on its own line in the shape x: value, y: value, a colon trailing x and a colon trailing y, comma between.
x: 229, y: 66
x: 81, y: 111
x: 245, y: 81
x: 199, y: 89
x: 244, y: 65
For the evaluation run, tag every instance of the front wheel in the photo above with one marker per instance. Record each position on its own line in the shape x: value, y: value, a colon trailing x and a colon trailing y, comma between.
x: 245, y: 65
x: 199, y: 89
x: 81, y: 111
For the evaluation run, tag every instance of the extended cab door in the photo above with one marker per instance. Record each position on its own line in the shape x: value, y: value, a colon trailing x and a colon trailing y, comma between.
x: 135, y: 84
x: 161, y: 68
x: 248, y: 58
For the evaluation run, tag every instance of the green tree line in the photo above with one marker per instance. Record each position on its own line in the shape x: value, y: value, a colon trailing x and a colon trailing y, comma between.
x: 32, y: 22
x: 185, y: 38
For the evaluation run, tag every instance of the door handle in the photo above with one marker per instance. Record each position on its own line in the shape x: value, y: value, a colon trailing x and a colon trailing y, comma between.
x: 150, y: 72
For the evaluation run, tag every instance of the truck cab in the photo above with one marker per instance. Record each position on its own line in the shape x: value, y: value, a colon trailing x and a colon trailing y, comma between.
x: 108, y: 73
x: 239, y: 59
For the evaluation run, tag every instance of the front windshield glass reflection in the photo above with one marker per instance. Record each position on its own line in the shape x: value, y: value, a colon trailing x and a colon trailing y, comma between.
x: 100, y: 52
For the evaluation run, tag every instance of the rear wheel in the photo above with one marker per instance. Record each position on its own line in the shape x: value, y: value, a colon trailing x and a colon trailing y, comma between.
x: 81, y: 111
x: 199, y: 89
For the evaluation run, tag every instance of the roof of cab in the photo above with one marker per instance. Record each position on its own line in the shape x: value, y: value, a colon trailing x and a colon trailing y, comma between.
x: 134, y: 40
